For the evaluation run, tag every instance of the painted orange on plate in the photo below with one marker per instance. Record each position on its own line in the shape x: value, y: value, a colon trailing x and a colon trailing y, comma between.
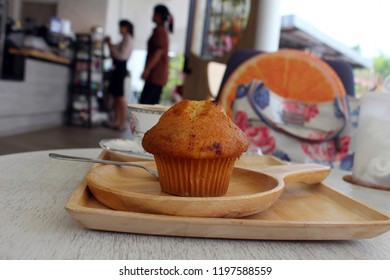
x: 292, y: 74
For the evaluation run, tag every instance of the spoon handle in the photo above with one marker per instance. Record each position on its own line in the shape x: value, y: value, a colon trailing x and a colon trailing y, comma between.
x: 102, y: 161
x: 84, y: 159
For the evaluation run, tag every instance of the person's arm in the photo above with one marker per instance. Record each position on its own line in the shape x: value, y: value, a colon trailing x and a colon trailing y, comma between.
x: 109, y: 42
x: 155, y: 57
x: 123, y: 50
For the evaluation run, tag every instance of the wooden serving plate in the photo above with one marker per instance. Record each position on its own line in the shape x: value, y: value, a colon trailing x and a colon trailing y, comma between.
x: 250, y: 191
x: 302, y: 212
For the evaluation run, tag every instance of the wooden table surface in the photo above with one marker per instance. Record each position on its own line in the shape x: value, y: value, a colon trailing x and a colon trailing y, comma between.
x: 34, y: 224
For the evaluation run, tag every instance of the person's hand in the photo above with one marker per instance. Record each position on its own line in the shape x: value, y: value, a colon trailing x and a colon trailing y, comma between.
x: 145, y: 74
x: 108, y: 41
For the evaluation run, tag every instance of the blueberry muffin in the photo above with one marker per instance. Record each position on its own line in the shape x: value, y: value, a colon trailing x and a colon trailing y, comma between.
x: 195, y: 145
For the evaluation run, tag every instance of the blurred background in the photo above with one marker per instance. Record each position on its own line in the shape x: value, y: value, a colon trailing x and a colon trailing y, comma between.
x: 55, y: 67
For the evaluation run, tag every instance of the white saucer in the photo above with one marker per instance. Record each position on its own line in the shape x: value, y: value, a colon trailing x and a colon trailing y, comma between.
x: 125, y: 147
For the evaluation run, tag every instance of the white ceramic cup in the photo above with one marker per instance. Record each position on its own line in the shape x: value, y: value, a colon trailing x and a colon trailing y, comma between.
x: 143, y: 118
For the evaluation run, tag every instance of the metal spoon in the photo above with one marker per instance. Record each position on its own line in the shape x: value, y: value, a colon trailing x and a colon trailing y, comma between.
x: 102, y: 161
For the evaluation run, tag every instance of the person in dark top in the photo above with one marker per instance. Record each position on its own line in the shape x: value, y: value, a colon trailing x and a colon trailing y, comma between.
x: 120, y: 53
x: 156, y: 68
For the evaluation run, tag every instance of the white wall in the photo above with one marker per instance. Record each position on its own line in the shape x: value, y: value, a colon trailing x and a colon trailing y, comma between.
x: 16, y: 5
x: 113, y: 14
x: 83, y: 13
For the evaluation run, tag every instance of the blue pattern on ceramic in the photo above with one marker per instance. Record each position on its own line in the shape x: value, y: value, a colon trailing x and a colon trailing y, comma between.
x: 260, y: 96
x: 338, y: 113
x: 242, y: 91
x: 281, y: 155
x: 354, y: 116
x: 347, y: 162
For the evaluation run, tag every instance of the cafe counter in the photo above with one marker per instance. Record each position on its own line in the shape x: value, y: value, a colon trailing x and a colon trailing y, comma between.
x: 46, y: 56
x: 37, y: 97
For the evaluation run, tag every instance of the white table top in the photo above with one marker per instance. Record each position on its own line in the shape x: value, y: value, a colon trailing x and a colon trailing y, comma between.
x: 34, y: 224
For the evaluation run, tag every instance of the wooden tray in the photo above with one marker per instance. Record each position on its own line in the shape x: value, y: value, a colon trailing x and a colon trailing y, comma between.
x: 303, y: 212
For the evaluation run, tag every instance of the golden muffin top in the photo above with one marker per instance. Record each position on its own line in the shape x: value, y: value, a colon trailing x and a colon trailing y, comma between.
x: 197, y: 130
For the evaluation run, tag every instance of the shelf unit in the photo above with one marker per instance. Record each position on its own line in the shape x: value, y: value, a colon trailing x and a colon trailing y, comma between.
x: 87, y: 84
x: 223, y: 25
